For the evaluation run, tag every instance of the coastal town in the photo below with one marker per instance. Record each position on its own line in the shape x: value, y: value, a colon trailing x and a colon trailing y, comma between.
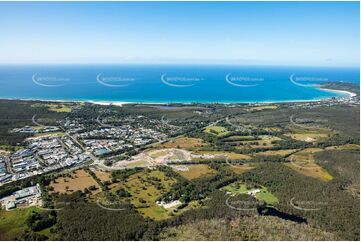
x: 78, y: 142
x: 159, y: 161
x: 75, y: 143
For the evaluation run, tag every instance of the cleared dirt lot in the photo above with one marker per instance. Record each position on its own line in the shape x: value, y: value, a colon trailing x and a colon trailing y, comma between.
x: 184, y: 143
x: 77, y: 180
x: 102, y: 175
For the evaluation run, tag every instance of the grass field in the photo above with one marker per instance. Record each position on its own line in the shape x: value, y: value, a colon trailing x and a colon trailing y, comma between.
x: 264, y: 142
x: 49, y: 134
x: 12, y: 223
x: 103, y: 175
x: 197, y: 171
x: 216, y: 130
x: 239, y: 169
x: 238, y: 138
x: 139, y: 163
x: 240, y: 188
x: 157, y: 154
x: 78, y: 180
x: 304, y: 163
x: 309, y: 135
x: 184, y: 143
x: 4, y: 152
x: 344, y: 147
x: 259, y: 108
x: 60, y: 108
x: 220, y: 155
x: 145, y: 191
x: 276, y: 152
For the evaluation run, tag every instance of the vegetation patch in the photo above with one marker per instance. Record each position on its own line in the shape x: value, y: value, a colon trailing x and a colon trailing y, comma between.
x: 144, y: 188
x: 310, y: 134
x: 49, y: 134
x: 241, y: 168
x: 12, y: 223
x: 21, y: 224
x: 196, y: 171
x: 276, y: 152
x: 259, y: 192
x: 78, y: 180
x: 264, y: 141
x: 344, y: 147
x: 304, y: 163
x: 103, y: 175
x: 184, y: 143
x: 216, y: 130
x: 216, y: 155
x: 60, y: 108
x: 244, y: 229
x: 259, y: 108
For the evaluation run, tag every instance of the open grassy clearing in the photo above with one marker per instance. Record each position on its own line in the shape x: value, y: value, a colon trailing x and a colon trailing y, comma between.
x: 304, y: 163
x: 103, y: 175
x: 216, y: 130
x: 4, y: 152
x: 196, y: 171
x: 276, y: 152
x: 259, y: 108
x: 262, y: 193
x: 184, y: 143
x: 145, y: 188
x: 158, y: 154
x: 59, y: 134
x: 212, y: 155
x: 344, y: 147
x: 60, y: 108
x: 155, y: 157
x: 264, y: 142
x: 238, y: 138
x: 12, y: 223
x: 240, y: 168
x: 78, y: 180
x: 310, y: 134
x: 138, y: 163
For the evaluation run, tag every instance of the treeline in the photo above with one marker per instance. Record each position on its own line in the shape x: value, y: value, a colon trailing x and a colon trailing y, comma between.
x: 81, y: 220
x: 338, y: 210
x: 16, y: 114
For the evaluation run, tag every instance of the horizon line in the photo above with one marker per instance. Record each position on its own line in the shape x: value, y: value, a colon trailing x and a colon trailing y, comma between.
x: 177, y: 63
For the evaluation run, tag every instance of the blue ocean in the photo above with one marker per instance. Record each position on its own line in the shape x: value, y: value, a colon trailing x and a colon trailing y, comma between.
x: 170, y: 83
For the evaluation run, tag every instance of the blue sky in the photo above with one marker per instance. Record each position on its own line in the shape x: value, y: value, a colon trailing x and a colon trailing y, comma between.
x: 267, y: 33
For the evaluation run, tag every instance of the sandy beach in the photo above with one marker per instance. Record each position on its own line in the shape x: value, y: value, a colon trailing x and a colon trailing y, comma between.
x: 350, y: 94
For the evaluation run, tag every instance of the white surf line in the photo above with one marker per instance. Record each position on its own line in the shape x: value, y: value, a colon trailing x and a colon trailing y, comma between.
x: 350, y: 94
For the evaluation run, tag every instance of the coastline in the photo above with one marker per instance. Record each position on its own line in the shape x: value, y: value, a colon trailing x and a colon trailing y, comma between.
x: 351, y: 94
x: 346, y: 94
